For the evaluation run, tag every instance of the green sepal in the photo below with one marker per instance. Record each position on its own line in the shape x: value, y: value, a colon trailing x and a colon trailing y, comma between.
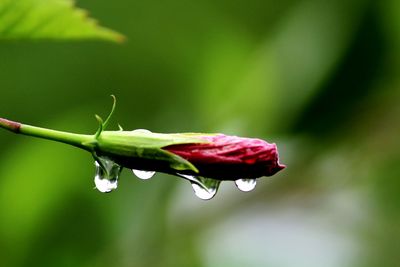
x: 147, y: 139
x: 147, y: 145
x: 103, y: 124
x: 141, y: 144
x: 101, y: 127
x: 107, y: 121
x: 178, y: 163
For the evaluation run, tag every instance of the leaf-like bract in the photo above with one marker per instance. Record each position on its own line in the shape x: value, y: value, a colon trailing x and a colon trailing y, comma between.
x: 49, y: 19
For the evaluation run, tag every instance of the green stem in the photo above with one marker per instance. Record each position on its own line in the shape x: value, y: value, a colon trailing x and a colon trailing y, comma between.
x: 79, y: 140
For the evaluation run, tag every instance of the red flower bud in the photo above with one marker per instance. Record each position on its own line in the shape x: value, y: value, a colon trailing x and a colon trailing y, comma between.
x: 230, y: 157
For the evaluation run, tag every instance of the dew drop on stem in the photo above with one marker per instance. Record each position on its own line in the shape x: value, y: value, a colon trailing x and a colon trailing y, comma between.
x: 141, y: 131
x: 107, y: 173
x: 204, y: 188
x: 105, y: 185
x: 144, y: 175
x: 246, y: 185
x: 203, y: 193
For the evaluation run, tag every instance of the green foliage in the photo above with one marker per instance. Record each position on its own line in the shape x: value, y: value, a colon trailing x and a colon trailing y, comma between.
x: 49, y: 19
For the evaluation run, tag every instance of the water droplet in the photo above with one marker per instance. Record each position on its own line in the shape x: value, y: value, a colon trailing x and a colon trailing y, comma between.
x: 204, y: 188
x: 246, y: 185
x: 105, y: 185
x: 188, y: 177
x: 203, y: 193
x: 107, y: 172
x: 144, y: 175
x: 142, y: 131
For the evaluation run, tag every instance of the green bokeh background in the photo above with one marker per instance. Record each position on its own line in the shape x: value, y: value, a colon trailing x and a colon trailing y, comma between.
x: 320, y: 78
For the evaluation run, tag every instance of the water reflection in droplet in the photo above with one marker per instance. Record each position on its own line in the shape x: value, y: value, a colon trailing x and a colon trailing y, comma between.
x: 106, y: 176
x: 105, y: 185
x: 203, y: 193
x: 204, y: 188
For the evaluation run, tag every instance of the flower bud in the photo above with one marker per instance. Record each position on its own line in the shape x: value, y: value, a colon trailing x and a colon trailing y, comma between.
x: 230, y: 157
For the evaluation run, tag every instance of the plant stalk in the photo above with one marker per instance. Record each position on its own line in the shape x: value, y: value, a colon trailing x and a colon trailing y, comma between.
x: 79, y: 140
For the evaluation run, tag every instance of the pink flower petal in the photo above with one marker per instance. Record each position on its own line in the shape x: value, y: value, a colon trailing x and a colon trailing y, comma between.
x: 230, y: 157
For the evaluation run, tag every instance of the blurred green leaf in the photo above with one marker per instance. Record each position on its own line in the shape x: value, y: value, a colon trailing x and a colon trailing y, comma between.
x: 49, y: 19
